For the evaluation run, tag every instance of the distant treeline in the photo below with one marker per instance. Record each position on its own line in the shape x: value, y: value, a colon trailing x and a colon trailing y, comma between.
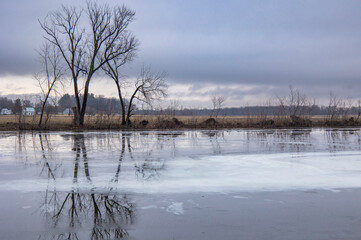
x: 96, y: 105
x: 110, y: 106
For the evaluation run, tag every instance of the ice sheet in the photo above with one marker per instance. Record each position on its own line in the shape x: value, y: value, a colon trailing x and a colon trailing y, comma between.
x: 222, y: 173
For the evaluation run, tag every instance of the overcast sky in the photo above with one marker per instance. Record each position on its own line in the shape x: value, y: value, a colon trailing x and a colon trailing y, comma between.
x: 247, y: 51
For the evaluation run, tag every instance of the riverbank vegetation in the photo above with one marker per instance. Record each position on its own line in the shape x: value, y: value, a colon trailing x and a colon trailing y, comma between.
x: 147, y: 122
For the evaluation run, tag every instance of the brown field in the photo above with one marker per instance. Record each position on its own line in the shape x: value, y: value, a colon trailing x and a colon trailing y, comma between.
x: 62, y: 122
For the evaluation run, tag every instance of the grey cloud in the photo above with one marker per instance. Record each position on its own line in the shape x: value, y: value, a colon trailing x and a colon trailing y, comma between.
x: 314, y: 45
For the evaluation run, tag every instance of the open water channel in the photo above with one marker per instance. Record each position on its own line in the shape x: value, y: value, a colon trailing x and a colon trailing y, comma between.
x: 238, y: 184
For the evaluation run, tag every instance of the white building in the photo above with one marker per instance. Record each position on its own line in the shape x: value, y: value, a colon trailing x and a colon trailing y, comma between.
x: 5, y: 111
x: 29, y: 111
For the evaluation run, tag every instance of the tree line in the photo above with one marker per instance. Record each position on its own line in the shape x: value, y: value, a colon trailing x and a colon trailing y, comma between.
x: 96, y: 105
x: 112, y: 106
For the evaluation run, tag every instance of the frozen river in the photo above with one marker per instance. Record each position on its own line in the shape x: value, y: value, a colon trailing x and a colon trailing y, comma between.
x: 246, y: 184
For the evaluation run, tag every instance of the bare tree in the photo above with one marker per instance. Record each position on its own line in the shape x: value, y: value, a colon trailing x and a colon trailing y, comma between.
x: 173, y: 107
x: 148, y: 87
x: 112, y: 69
x: 86, y: 49
x: 63, y: 31
x: 17, y: 109
x: 333, y: 109
x: 51, y: 74
x: 293, y: 104
x: 264, y: 111
x: 345, y: 108
x: 311, y: 107
x: 217, y: 104
x: 358, y: 110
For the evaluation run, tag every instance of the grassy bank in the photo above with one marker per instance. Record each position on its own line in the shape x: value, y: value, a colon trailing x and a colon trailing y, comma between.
x: 61, y: 122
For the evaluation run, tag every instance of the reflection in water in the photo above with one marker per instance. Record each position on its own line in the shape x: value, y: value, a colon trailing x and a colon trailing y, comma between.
x: 46, y: 165
x: 280, y: 140
x: 147, y: 167
x: 152, y: 146
x: 336, y: 139
x: 214, y: 137
x: 107, y: 212
x: 88, y: 176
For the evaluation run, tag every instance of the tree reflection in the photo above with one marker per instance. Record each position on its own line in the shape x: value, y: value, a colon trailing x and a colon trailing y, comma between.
x: 104, y: 211
x: 290, y: 140
x: 214, y: 137
x: 46, y: 165
x: 342, y: 139
x: 146, y: 164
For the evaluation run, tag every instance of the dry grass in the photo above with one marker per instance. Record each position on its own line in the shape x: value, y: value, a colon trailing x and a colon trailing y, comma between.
x: 62, y: 122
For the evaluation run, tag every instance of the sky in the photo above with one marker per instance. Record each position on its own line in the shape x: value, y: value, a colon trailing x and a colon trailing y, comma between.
x: 246, y: 51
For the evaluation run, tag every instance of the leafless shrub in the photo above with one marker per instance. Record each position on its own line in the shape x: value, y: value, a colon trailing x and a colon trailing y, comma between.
x: 333, y: 109
x: 295, y: 107
x: 217, y: 104
x: 173, y: 107
x: 358, y: 110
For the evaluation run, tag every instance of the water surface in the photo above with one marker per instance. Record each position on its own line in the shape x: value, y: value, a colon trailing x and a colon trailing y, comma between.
x: 246, y: 184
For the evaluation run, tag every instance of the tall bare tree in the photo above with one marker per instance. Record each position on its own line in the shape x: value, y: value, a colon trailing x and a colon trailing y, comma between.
x: 112, y: 69
x: 147, y: 87
x: 85, y: 49
x: 51, y: 74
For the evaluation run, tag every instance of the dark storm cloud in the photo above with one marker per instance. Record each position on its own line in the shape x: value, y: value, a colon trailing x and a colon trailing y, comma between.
x: 267, y: 42
x: 21, y: 34
x: 309, y: 44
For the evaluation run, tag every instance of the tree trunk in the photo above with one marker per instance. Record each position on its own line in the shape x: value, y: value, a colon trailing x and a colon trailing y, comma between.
x: 44, y: 103
x: 76, y: 109
x: 116, y: 177
x: 121, y: 104
x: 41, y: 114
x: 130, y: 105
x: 85, y: 99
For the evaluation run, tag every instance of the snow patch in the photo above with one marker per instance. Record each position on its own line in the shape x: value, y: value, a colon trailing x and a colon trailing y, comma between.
x: 148, y: 207
x: 176, y: 208
x: 240, y: 197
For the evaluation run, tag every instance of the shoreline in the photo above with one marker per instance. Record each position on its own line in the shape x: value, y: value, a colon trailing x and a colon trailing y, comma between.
x: 169, y: 123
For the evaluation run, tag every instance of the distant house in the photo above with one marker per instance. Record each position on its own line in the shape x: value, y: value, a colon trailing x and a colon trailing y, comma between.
x: 5, y: 111
x: 29, y: 111
x: 68, y: 111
